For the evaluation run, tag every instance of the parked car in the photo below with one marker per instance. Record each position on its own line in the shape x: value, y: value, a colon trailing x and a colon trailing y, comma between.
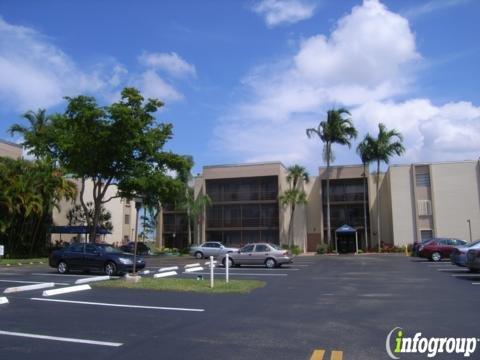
x: 266, y: 254
x: 142, y: 249
x: 210, y: 248
x: 416, y: 246
x: 96, y: 257
x: 473, y: 260
x: 459, y: 254
x: 439, y: 248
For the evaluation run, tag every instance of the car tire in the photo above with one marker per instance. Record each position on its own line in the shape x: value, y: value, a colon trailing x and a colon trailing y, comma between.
x: 231, y: 263
x: 62, y: 267
x: 110, y: 268
x: 270, y: 263
x: 198, y: 255
x: 436, y: 256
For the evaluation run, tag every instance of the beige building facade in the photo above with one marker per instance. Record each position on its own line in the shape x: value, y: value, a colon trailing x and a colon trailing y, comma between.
x: 123, y: 216
x: 10, y: 150
x: 415, y: 202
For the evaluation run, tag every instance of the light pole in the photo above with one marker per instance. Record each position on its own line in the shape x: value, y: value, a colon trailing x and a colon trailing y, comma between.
x: 470, y: 229
x: 138, y: 205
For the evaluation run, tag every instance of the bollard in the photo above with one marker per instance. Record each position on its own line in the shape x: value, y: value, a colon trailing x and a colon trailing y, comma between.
x: 211, y: 271
x: 227, y: 268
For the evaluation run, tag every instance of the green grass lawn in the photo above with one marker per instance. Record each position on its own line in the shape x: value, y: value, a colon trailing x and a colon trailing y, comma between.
x: 191, y: 285
x: 23, y: 261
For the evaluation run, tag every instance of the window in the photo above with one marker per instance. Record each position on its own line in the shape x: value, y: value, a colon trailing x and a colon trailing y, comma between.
x: 261, y: 248
x: 424, y: 207
x: 422, y: 179
x: 92, y: 249
x: 78, y: 248
x: 127, y: 219
x: 426, y: 235
x: 247, y: 249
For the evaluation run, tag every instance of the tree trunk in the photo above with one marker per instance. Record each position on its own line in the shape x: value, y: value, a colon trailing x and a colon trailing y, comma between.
x: 378, y: 207
x: 365, y: 204
x: 329, y: 235
x: 291, y: 227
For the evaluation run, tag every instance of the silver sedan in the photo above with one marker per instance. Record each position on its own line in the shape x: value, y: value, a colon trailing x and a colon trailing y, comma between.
x: 266, y: 254
x: 210, y: 248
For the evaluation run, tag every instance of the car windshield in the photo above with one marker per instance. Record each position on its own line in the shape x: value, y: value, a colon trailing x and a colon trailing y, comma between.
x: 474, y: 243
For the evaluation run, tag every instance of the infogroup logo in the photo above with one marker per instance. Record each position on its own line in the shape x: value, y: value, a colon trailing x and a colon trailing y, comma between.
x: 431, y: 347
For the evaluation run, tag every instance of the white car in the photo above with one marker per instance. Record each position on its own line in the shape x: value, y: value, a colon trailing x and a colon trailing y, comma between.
x: 210, y: 248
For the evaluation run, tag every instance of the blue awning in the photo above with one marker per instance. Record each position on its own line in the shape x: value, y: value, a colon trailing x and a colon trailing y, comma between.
x: 346, y: 229
x: 77, y: 230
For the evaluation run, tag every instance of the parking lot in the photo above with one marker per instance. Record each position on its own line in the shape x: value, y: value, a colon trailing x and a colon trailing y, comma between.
x: 341, y: 306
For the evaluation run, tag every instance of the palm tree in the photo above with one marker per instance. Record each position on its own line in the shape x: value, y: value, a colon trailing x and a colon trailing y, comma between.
x: 335, y: 130
x: 35, y: 137
x: 294, y: 195
x: 364, y: 150
x: 387, y: 144
x: 195, y: 208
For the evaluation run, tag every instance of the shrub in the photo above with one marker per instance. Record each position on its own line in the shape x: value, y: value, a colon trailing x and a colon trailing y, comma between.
x: 322, y: 249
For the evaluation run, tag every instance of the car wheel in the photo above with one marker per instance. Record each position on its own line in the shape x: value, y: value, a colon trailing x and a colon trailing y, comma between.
x: 62, y: 267
x: 230, y: 262
x: 198, y: 255
x: 436, y: 256
x: 270, y: 263
x: 110, y: 268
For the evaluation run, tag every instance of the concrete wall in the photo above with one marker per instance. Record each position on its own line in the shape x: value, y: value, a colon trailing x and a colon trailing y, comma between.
x: 456, y: 198
x: 10, y: 150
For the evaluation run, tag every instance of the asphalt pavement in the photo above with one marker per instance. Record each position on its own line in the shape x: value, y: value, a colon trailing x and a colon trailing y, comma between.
x: 347, y: 304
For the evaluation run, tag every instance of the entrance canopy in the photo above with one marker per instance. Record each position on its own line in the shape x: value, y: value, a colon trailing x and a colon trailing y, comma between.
x: 344, y: 229
x: 77, y: 230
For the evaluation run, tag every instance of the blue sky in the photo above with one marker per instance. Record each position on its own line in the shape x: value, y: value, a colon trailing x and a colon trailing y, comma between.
x: 243, y: 79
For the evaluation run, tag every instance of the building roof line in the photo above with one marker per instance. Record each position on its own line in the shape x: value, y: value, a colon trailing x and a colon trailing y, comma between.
x: 245, y: 164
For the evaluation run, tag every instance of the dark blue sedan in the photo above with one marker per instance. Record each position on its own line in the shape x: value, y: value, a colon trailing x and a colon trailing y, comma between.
x: 95, y: 257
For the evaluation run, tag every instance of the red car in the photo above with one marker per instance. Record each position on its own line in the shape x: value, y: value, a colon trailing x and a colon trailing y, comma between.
x: 439, y: 248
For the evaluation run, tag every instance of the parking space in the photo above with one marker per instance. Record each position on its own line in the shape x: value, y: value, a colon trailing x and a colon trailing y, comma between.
x: 320, y: 306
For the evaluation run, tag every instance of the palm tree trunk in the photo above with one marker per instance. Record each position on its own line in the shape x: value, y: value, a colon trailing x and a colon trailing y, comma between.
x: 365, y: 204
x: 329, y: 235
x: 378, y: 207
x: 290, y: 228
x: 189, y: 229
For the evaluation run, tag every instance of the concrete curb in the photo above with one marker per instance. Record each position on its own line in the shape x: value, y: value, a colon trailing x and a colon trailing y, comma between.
x: 66, y: 290
x: 28, y: 287
x: 92, y: 279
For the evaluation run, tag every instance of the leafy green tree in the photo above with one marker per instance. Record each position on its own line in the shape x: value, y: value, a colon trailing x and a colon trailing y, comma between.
x: 336, y: 129
x: 387, y: 144
x: 121, y: 144
x: 295, y: 195
x: 30, y: 191
x: 364, y: 150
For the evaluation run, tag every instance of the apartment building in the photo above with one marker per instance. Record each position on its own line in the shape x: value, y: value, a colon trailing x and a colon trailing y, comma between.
x: 416, y: 201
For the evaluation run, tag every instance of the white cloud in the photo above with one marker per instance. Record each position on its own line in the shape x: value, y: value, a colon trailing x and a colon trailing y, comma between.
x: 277, y: 12
x: 431, y: 6
x: 153, y: 86
x: 364, y: 64
x: 36, y: 73
x: 171, y: 63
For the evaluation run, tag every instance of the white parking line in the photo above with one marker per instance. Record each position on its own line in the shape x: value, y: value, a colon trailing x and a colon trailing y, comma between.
x: 30, y: 282
x: 234, y: 274
x: 475, y: 283
x: 168, y: 268
x: 193, y: 269
x: 3, y: 300
x: 192, y: 265
x: 28, y: 288
x: 119, y: 305
x: 65, y: 339
x: 257, y: 268
x: 52, y: 274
